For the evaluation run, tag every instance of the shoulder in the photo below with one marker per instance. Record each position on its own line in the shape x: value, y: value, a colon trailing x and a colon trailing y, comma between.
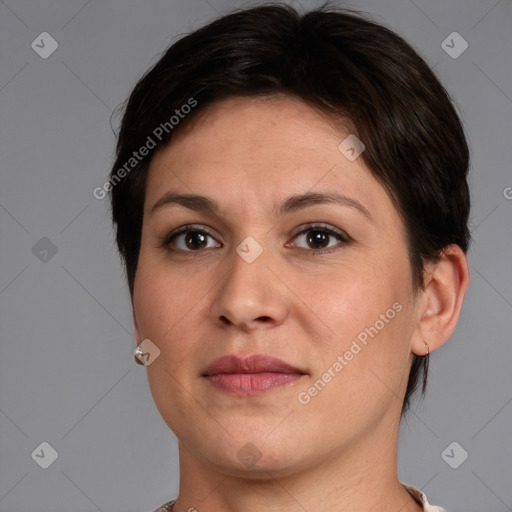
x: 166, y: 507
x: 422, y: 499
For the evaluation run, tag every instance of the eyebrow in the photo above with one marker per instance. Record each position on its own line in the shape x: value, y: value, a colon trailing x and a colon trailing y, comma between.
x: 293, y: 203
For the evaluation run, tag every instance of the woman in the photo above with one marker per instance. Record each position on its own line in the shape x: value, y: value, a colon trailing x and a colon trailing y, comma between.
x: 291, y: 205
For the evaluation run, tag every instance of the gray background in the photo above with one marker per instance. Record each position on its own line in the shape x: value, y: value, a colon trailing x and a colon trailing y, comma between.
x: 67, y: 375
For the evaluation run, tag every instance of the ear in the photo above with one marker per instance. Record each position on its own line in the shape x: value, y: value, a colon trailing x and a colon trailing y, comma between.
x: 441, y: 301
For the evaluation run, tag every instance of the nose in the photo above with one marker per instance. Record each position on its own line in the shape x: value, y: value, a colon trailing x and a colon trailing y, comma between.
x: 250, y: 296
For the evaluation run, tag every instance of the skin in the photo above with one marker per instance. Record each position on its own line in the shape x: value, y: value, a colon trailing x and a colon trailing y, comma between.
x: 339, y: 451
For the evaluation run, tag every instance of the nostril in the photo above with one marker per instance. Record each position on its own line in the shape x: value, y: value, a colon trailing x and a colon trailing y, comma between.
x: 226, y: 320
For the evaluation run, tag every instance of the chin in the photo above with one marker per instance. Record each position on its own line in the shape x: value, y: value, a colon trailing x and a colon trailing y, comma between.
x: 249, y: 462
x: 254, y: 456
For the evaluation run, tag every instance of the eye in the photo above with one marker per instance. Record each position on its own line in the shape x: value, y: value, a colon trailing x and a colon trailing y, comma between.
x: 190, y: 238
x: 319, y: 238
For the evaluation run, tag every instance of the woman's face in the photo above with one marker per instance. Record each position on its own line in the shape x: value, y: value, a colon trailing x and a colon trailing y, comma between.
x: 324, y: 286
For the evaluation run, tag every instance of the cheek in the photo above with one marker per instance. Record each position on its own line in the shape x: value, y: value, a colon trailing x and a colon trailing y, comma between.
x: 363, y: 371
x: 369, y: 319
x: 164, y: 304
x: 162, y: 296
x: 353, y: 299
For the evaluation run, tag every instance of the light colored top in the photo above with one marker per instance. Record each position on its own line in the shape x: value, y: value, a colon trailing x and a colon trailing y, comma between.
x: 415, y: 493
x: 421, y: 499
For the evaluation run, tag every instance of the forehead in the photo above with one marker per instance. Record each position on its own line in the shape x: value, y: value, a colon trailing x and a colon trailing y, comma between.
x: 253, y: 151
x: 249, y: 127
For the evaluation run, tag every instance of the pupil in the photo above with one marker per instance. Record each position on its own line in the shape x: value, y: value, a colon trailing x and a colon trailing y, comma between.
x: 319, y: 237
x: 195, y: 239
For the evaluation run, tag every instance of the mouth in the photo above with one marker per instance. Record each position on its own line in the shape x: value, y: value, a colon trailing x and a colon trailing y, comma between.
x: 246, y: 376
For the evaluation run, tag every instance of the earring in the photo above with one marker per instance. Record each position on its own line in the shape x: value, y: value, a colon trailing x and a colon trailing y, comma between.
x: 138, y: 352
x: 425, y: 367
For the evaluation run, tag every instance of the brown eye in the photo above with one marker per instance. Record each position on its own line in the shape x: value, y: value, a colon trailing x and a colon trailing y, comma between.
x: 188, y: 239
x: 316, y: 238
x: 195, y: 240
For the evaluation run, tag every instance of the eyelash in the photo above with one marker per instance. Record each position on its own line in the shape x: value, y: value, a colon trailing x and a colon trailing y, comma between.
x: 318, y: 226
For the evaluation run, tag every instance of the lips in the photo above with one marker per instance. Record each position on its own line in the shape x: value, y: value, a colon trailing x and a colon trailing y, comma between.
x: 246, y: 376
x: 251, y: 364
